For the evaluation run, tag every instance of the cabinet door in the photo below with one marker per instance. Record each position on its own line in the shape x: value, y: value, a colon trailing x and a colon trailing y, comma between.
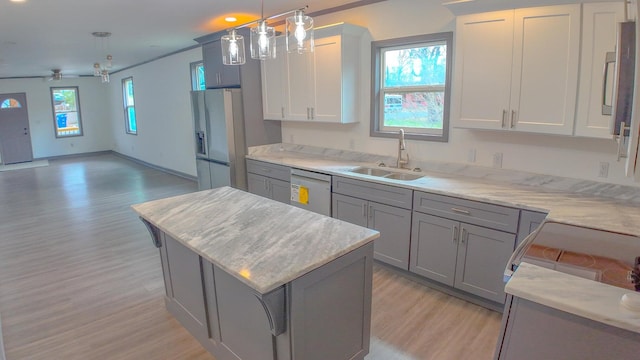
x: 394, y: 224
x: 599, y: 27
x: 434, y: 245
x: 187, y: 295
x: 482, y: 256
x: 326, y: 80
x: 349, y: 209
x: 544, y: 77
x: 258, y: 184
x: 280, y: 190
x: 299, y: 86
x: 216, y: 74
x: 274, y: 91
x: 483, y: 70
x: 244, y: 326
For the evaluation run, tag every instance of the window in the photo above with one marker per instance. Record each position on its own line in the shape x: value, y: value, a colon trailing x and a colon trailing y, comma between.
x: 66, y: 111
x: 197, y: 76
x: 411, y: 87
x: 130, y: 123
x: 10, y: 104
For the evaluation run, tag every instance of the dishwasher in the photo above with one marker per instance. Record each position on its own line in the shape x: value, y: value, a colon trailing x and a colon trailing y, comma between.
x: 311, y: 191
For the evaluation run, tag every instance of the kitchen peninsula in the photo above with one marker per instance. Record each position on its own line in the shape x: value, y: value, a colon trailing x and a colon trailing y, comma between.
x: 252, y: 278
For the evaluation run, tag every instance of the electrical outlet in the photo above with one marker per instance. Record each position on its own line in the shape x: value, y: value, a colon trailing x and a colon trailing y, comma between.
x: 352, y: 144
x: 603, y: 171
x: 291, y: 139
x: 471, y: 156
x: 497, y: 160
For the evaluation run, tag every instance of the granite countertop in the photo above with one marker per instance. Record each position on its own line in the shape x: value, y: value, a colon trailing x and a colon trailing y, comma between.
x: 585, y: 298
x: 263, y: 243
x: 619, y: 215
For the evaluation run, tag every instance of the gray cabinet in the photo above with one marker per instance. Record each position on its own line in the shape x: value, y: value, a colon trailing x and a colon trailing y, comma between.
x: 393, y: 223
x: 182, y: 269
x: 533, y: 331
x: 459, y: 254
x: 216, y: 74
x: 269, y: 180
x: 529, y: 221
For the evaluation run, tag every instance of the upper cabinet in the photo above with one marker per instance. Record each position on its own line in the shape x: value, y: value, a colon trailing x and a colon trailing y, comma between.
x: 216, y: 74
x: 518, y: 70
x: 319, y: 86
x: 599, y: 27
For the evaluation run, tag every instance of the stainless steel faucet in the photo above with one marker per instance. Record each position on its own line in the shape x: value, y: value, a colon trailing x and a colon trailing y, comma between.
x: 402, y: 162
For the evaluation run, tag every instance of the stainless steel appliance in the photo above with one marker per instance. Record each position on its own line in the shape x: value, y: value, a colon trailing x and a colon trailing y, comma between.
x: 219, y: 138
x: 624, y: 59
x: 311, y: 191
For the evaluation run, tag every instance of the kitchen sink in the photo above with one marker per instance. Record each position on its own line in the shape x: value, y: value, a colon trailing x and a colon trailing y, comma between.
x: 371, y: 171
x: 402, y: 176
x: 386, y: 174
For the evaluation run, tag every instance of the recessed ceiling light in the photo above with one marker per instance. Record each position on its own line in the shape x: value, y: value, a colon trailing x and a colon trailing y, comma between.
x: 230, y: 19
x: 18, y: 1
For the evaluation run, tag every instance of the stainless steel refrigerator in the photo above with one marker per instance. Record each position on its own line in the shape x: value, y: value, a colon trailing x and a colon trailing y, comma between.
x: 219, y: 138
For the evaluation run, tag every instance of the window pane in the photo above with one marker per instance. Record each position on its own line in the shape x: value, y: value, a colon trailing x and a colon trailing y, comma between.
x: 417, y: 66
x: 66, y: 112
x: 10, y: 103
x: 200, y: 75
x: 132, y: 119
x: 423, y: 110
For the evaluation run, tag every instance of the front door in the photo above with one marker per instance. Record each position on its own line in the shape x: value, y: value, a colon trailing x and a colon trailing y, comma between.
x: 15, y: 141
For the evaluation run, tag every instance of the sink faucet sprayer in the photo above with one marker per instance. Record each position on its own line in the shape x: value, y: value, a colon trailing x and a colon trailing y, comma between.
x: 402, y: 146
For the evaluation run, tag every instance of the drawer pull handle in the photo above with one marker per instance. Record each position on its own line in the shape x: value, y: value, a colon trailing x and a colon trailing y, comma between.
x: 461, y: 211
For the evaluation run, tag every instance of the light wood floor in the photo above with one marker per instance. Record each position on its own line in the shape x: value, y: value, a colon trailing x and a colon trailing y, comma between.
x: 80, y: 278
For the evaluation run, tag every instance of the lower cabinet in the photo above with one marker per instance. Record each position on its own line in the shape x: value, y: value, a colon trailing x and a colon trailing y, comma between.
x: 464, y: 256
x: 393, y: 223
x: 275, y: 189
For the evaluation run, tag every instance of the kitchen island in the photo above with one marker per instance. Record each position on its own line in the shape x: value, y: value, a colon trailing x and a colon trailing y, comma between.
x: 251, y: 278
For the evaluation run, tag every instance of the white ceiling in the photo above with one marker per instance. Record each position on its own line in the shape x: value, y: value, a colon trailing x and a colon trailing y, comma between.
x: 39, y: 35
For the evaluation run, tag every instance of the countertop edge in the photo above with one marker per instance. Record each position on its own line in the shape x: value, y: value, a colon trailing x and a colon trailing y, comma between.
x: 581, y: 297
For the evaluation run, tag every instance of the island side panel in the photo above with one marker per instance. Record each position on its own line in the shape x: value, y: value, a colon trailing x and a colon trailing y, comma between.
x: 535, y: 331
x: 186, y: 299
x: 331, y: 309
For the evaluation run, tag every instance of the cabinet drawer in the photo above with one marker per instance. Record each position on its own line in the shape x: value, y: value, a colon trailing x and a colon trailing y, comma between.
x: 472, y: 212
x: 385, y: 194
x: 269, y: 170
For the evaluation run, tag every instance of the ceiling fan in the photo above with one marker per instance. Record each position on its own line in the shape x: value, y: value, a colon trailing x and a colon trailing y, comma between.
x: 56, y: 74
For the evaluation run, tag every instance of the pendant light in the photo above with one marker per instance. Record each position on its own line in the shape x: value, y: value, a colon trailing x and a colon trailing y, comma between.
x: 299, y: 33
x: 263, y: 39
x: 233, y: 49
x: 102, y: 69
x: 299, y: 28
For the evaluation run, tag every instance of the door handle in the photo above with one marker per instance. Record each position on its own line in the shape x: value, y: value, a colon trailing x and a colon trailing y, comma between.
x: 465, y: 234
x: 504, y: 117
x: 610, y: 58
x: 364, y: 210
x: 512, y: 123
x: 455, y: 234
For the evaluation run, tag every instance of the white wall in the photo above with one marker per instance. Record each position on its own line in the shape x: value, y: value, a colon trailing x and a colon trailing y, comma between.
x: 94, y: 109
x: 554, y: 155
x: 163, y: 109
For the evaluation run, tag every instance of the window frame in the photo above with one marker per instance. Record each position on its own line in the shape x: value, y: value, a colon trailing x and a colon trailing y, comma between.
x: 377, y: 103
x: 193, y: 68
x: 76, y: 89
x: 127, y: 121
